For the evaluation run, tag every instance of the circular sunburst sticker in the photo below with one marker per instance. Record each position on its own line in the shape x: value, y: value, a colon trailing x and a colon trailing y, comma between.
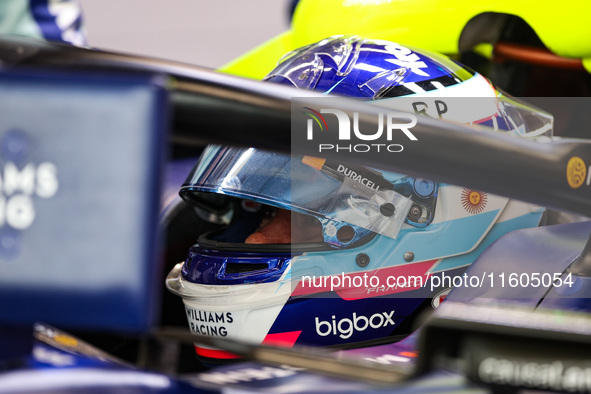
x: 473, y: 201
x: 576, y: 171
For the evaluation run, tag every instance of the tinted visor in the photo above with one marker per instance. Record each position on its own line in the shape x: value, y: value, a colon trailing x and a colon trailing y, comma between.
x: 301, y: 185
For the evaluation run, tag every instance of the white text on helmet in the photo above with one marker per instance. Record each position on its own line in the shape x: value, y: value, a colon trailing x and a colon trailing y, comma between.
x: 345, y: 327
x: 356, y: 177
x: 406, y: 58
x: 209, y: 323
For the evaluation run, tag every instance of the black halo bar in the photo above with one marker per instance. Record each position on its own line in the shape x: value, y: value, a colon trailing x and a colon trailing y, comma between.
x: 210, y: 107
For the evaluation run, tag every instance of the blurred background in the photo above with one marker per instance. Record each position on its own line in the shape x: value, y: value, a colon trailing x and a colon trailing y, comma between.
x: 205, y: 33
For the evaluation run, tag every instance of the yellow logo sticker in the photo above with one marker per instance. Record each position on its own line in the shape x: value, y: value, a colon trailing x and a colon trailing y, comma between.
x: 474, y: 201
x: 576, y: 172
x: 66, y: 340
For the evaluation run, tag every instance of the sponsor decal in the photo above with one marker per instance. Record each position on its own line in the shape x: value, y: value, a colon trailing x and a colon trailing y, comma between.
x: 214, y: 324
x: 367, y: 177
x: 576, y: 172
x: 555, y: 375
x: 346, y: 327
x: 407, y: 59
x: 357, y: 177
x: 439, y: 298
x: 473, y: 201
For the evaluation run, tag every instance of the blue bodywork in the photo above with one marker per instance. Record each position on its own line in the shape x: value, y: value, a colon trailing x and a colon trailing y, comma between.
x: 546, y: 250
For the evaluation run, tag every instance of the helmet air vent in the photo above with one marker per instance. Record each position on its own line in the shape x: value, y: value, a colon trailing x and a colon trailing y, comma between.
x: 240, y: 268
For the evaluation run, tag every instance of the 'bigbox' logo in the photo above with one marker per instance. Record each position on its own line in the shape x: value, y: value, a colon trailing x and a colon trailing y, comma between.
x: 345, y: 327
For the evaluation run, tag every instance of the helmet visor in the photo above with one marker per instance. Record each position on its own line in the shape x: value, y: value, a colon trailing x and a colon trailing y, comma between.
x: 301, y: 184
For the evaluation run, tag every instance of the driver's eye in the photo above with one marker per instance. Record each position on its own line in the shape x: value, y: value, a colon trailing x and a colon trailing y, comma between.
x: 269, y: 213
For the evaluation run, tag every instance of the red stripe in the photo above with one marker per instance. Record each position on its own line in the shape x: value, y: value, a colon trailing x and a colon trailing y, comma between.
x: 214, y: 353
x: 285, y: 339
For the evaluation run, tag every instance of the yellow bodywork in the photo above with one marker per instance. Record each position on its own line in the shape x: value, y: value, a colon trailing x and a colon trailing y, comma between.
x: 564, y: 27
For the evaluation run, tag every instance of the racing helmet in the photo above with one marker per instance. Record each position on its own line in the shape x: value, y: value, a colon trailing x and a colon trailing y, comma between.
x: 328, y: 253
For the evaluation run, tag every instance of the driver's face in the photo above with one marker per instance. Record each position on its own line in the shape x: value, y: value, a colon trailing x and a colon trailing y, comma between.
x: 278, y: 229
